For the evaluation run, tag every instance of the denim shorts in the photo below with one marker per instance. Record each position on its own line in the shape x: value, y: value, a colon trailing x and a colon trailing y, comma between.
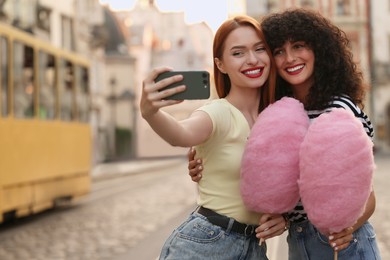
x: 197, y: 238
x: 305, y: 242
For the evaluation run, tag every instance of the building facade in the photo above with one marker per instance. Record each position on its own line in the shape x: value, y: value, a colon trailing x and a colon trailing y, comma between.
x: 157, y: 39
x: 380, y: 67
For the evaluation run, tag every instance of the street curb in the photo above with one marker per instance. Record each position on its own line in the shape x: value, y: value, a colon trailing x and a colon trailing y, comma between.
x: 120, y: 169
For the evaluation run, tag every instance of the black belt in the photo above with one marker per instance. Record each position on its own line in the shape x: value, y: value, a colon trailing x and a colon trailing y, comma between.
x: 223, y: 222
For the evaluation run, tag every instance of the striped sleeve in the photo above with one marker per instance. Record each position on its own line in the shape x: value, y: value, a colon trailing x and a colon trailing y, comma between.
x: 346, y: 103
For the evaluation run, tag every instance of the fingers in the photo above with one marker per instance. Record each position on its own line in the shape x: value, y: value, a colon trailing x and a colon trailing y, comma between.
x: 192, y: 163
x: 195, y: 166
x: 191, y: 154
x: 271, y: 225
x: 196, y: 177
x: 341, y: 243
x: 196, y: 172
x: 154, y: 73
x: 341, y: 240
x: 153, y: 97
x: 155, y: 94
x: 153, y: 88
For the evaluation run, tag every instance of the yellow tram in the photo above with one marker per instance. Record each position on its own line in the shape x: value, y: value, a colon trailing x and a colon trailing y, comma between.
x: 45, y: 136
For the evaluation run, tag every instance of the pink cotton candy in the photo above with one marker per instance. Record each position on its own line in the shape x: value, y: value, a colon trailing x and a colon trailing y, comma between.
x: 270, y: 163
x: 337, y: 164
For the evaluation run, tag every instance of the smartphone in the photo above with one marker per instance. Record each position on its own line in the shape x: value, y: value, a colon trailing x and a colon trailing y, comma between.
x: 197, y: 84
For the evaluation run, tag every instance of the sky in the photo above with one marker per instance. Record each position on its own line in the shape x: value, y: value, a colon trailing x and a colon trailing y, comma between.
x: 213, y: 12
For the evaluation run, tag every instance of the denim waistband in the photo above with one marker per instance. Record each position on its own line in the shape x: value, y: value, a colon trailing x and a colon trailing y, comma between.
x: 227, y: 223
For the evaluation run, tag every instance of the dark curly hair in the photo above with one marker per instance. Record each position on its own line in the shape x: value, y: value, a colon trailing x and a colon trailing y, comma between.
x: 335, y: 72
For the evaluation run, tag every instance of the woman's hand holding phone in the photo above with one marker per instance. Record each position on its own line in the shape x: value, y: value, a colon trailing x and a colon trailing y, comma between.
x: 154, y: 94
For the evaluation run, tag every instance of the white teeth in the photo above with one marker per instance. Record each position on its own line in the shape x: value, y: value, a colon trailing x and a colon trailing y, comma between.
x: 295, y: 68
x: 252, y: 71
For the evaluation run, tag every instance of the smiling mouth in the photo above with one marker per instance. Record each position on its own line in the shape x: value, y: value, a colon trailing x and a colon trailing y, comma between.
x: 253, y: 72
x: 295, y: 68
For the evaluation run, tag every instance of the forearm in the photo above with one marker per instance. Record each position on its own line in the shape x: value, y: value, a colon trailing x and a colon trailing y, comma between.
x: 167, y: 127
x: 369, y: 210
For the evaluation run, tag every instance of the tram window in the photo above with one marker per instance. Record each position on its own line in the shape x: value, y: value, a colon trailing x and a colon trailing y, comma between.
x: 23, y: 82
x: 47, y: 90
x: 4, y: 76
x: 66, y: 72
x: 82, y: 94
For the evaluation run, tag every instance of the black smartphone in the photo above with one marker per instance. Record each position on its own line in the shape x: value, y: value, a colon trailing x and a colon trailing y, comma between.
x: 197, y: 84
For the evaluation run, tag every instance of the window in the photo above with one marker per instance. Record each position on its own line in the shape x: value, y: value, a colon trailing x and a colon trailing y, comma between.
x: 307, y: 3
x: 23, y: 81
x: 67, y: 33
x: 388, y: 63
x: 47, y: 88
x: 343, y: 7
x: 22, y: 13
x: 4, y: 76
x: 82, y: 94
x: 272, y: 6
x: 66, y: 79
x: 43, y: 18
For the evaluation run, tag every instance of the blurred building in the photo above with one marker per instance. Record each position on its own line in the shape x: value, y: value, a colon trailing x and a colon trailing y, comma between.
x: 118, y: 113
x: 380, y: 67
x: 156, y: 39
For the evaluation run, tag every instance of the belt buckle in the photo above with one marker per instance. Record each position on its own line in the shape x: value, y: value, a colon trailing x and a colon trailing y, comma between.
x: 251, y: 230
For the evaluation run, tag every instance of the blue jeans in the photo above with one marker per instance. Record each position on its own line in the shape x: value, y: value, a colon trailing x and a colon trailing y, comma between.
x: 305, y: 242
x: 197, y: 238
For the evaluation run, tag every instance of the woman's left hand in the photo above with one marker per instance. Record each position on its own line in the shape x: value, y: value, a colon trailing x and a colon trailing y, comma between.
x: 341, y: 240
x: 271, y: 225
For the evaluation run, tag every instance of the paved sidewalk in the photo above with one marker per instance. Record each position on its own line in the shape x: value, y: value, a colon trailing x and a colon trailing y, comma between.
x: 123, y: 168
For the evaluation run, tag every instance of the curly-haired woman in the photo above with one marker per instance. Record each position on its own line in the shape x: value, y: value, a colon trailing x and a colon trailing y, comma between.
x: 315, y: 66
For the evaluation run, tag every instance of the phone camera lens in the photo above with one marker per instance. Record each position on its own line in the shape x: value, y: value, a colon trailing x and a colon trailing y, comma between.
x: 204, y: 81
x: 204, y: 75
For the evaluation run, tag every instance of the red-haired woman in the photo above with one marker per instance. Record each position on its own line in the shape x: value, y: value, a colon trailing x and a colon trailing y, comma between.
x: 221, y: 227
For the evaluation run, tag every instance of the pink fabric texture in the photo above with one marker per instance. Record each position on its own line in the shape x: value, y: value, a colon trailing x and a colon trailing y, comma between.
x: 336, y: 169
x: 270, y: 163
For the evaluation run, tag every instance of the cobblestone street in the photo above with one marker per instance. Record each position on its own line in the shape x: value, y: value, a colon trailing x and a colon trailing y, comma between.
x: 121, y: 212
x: 102, y: 228
x: 381, y: 217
